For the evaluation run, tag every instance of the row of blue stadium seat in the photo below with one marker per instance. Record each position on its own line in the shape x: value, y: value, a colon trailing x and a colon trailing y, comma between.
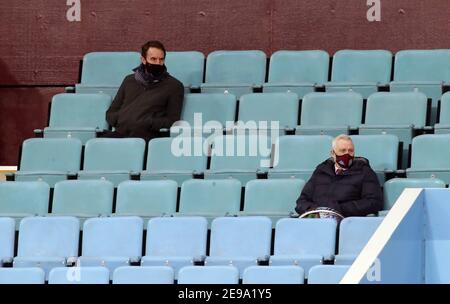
x: 49, y: 242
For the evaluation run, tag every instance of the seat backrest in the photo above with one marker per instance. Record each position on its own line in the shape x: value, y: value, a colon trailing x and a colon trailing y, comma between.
x: 24, y: 197
x: 273, y: 275
x: 113, y: 237
x: 422, y: 65
x: 83, y: 196
x: 268, y: 107
x: 208, y: 275
x: 305, y: 236
x: 212, y: 106
x: 108, y: 68
x: 79, y: 275
x: 355, y: 232
x: 22, y: 275
x: 272, y: 195
x: 327, y: 274
x: 296, y: 152
x: 444, y: 117
x: 79, y: 110
x: 6, y: 237
x: 394, y: 187
x: 143, y: 275
x: 210, y: 196
x: 241, y: 236
x: 236, y: 67
x: 299, y: 66
x: 49, y: 237
x: 51, y: 154
x: 147, y: 197
x: 380, y: 150
x: 404, y: 108
x: 362, y: 65
x: 114, y: 154
x: 430, y: 151
x: 165, y: 154
x: 176, y: 236
x: 187, y: 67
x: 327, y: 109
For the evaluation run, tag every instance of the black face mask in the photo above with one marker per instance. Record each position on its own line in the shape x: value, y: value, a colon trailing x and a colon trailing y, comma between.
x: 155, y: 69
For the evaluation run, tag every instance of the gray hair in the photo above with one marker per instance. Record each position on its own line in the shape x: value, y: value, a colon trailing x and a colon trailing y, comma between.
x: 340, y: 137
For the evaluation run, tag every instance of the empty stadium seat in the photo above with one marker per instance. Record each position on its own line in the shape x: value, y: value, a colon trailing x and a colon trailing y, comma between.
x: 239, y: 241
x: 362, y: 71
x: 275, y: 198
x: 103, y: 72
x: 143, y: 275
x: 354, y: 233
x: 49, y: 159
x: 187, y: 67
x: 21, y: 199
x: 380, y: 150
x: 6, y: 240
x: 304, y: 242
x: 273, y: 275
x: 113, y: 159
x: 327, y: 274
x: 429, y: 157
x: 265, y: 109
x: 298, y: 156
x: 111, y: 242
x: 47, y: 242
x: 443, y: 127
x: 77, y: 116
x: 31, y: 275
x: 175, y: 242
x: 79, y: 275
x: 423, y: 70
x: 208, y: 275
x: 235, y: 72
x: 169, y: 158
x: 330, y: 113
x: 297, y: 71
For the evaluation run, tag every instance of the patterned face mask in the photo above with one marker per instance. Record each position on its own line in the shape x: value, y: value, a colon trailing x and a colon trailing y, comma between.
x: 344, y: 161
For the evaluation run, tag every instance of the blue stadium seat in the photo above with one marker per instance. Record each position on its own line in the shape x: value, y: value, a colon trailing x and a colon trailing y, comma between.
x: 273, y: 275
x: 239, y: 241
x: 208, y: 275
x: 21, y: 199
x: 354, y: 233
x: 187, y: 67
x: 113, y: 159
x: 304, y: 242
x: 77, y: 116
x: 49, y: 159
x: 6, y: 240
x: 429, y: 157
x: 362, y: 71
x: 143, y: 275
x: 297, y: 71
x: 47, y: 242
x: 79, y: 275
x: 169, y: 158
x: 103, y: 72
x: 330, y: 113
x: 175, y: 242
x: 327, y: 274
x: 443, y: 127
x: 112, y: 242
x: 31, y: 275
x: 298, y: 156
x: 235, y: 72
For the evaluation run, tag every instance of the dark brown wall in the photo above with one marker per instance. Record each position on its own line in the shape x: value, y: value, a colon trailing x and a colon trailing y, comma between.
x: 38, y: 46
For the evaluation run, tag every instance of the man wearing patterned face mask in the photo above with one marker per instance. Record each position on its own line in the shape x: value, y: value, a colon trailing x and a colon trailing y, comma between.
x: 148, y: 100
x: 343, y: 183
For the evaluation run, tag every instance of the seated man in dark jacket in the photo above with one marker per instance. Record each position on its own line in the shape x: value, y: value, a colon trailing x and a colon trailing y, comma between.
x: 148, y: 100
x: 343, y: 183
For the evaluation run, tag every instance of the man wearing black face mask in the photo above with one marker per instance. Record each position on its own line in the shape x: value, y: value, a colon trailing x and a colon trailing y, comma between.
x: 344, y: 183
x: 148, y: 100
